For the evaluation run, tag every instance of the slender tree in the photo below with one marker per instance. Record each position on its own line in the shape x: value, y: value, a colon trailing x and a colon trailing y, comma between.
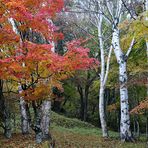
x: 103, y: 75
x: 125, y: 132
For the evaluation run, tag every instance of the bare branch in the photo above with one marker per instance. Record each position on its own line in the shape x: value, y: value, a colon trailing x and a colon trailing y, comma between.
x: 128, y: 10
x: 92, y: 35
x: 108, y: 65
x: 130, y: 48
x: 109, y: 9
x: 119, y: 9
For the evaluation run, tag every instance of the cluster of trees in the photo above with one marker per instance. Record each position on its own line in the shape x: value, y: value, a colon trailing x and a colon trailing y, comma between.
x: 40, y: 48
x: 119, y: 27
x: 29, y: 64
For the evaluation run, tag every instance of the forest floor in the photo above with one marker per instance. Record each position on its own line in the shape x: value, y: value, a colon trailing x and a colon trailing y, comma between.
x: 70, y: 133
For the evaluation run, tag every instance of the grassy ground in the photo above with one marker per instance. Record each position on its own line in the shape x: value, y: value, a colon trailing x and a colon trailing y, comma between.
x: 70, y: 133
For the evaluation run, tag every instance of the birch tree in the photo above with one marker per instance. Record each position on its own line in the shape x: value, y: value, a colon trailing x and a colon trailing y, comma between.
x: 91, y: 10
x: 116, y: 14
x: 24, y: 116
x: 25, y: 125
x: 103, y: 75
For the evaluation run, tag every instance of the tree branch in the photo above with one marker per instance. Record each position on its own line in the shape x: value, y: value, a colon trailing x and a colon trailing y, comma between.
x: 119, y: 9
x: 108, y: 65
x: 128, y: 9
x: 130, y: 48
x: 109, y: 9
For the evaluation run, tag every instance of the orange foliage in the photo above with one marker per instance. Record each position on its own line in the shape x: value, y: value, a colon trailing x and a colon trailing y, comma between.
x: 113, y: 107
x: 35, y: 64
x: 141, y: 108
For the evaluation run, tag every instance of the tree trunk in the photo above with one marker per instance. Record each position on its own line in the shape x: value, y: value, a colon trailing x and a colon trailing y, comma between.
x: 14, y: 122
x: 125, y: 133
x: 125, y: 118
x: 102, y: 79
x: 7, y: 122
x: 24, y: 117
x: 5, y: 113
x: 147, y: 128
x: 85, y: 102
x: 138, y: 129
x: 45, y: 122
x: 80, y: 90
x: 82, y: 107
x: 119, y: 116
x: 102, y: 113
x: 28, y: 114
x: 37, y: 122
x: 134, y: 125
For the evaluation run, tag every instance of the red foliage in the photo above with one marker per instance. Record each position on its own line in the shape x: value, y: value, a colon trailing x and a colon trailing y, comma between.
x: 32, y: 63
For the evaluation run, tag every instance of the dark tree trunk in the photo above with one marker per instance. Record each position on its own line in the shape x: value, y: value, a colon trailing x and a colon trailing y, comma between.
x: 14, y: 122
x: 37, y: 122
x: 93, y: 109
x: 86, y: 103
x: 57, y: 106
x: 7, y: 122
x: 5, y: 113
x: 134, y: 126
x: 147, y: 128
x: 80, y: 90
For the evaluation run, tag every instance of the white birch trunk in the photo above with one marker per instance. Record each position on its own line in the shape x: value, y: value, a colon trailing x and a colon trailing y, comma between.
x: 102, y: 75
x: 102, y: 113
x: 146, y: 6
x: 24, y: 118
x: 125, y: 132
x: 45, y: 122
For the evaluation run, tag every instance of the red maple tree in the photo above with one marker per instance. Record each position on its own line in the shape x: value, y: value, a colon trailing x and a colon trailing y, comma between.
x: 26, y: 61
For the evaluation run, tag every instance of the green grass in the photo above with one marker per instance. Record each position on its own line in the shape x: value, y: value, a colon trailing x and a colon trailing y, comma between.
x: 60, y: 120
x: 75, y: 133
x: 71, y: 133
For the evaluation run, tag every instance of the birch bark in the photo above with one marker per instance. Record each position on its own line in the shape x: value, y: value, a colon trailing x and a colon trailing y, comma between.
x: 103, y: 75
x: 23, y: 110
x: 125, y: 133
x: 102, y: 87
x: 45, y: 122
x: 24, y: 117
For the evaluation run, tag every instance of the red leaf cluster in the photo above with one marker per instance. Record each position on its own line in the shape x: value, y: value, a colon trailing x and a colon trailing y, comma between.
x: 35, y: 64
